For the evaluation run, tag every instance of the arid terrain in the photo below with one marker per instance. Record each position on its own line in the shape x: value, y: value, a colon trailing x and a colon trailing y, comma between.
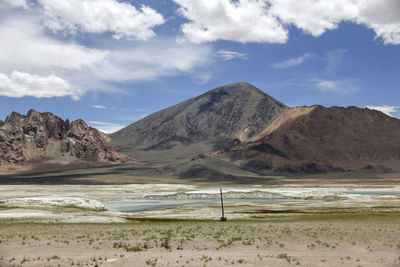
x: 310, y: 186
x: 178, y: 225
x: 195, y: 133
x: 234, y: 133
x: 342, y: 240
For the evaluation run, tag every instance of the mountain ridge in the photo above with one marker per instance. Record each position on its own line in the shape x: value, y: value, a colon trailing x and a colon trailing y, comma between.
x: 40, y: 136
x: 233, y: 132
x: 230, y: 113
x: 323, y: 139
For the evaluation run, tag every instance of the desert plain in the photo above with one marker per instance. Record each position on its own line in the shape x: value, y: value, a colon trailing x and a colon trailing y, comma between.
x: 178, y: 225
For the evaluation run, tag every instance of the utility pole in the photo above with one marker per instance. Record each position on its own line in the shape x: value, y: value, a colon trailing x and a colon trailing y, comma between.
x: 223, y: 218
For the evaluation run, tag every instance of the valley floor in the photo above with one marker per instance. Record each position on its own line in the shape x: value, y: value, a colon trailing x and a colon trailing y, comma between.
x: 346, y: 240
x: 212, y: 172
x: 178, y: 225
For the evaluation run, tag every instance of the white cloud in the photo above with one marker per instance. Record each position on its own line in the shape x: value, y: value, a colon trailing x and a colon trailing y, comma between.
x: 241, y: 21
x: 106, y: 127
x: 229, y: 55
x: 202, y: 78
x: 14, y: 3
x: 151, y: 60
x: 24, y: 46
x: 326, y: 85
x: 292, y: 62
x: 316, y: 17
x: 344, y: 86
x: 388, y: 110
x: 266, y: 21
x: 98, y: 106
x: 383, y: 17
x: 20, y: 84
x: 98, y: 16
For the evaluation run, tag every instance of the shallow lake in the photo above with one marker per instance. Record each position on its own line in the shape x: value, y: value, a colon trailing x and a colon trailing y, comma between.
x: 132, y: 205
x: 370, y: 192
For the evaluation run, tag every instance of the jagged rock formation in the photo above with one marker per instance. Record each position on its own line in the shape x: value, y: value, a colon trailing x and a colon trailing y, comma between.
x: 318, y: 139
x: 221, y: 117
x: 38, y: 136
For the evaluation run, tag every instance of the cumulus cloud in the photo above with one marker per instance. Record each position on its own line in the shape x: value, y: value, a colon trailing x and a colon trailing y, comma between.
x: 14, y: 3
x: 266, y: 21
x: 388, y: 110
x: 25, y: 46
x: 106, y: 127
x: 383, y: 17
x: 20, y: 84
x: 241, y: 21
x: 292, y: 62
x: 314, y: 17
x: 229, y: 55
x: 98, y: 16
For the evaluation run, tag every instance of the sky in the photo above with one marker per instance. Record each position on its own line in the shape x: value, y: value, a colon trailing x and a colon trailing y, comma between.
x: 113, y: 62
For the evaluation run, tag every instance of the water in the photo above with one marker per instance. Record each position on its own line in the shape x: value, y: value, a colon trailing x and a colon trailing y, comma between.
x: 371, y: 192
x: 131, y: 205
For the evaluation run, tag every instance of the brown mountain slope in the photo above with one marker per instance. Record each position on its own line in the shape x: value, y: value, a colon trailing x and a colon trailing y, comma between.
x: 314, y: 139
x: 235, y: 111
x: 39, y: 136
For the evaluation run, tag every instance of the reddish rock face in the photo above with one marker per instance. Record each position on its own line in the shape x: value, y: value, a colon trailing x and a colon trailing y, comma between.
x: 39, y: 136
x: 319, y: 139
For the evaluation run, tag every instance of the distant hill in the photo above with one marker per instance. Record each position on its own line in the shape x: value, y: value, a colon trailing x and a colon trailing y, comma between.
x: 44, y: 136
x: 319, y: 139
x: 221, y: 117
x: 235, y: 133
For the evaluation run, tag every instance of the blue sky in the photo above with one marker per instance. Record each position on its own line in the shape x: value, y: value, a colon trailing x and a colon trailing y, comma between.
x: 113, y: 62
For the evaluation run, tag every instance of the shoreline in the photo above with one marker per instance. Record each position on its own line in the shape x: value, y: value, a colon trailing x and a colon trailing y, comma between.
x: 119, y: 203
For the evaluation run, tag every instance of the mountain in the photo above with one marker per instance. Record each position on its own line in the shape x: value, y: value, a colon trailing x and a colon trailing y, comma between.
x: 43, y: 136
x: 319, y: 139
x: 221, y: 117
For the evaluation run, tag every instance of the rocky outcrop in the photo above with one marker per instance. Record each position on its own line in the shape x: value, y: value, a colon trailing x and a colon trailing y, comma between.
x: 38, y: 136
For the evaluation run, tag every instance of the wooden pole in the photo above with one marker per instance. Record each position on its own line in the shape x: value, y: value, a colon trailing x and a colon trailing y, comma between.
x: 223, y: 218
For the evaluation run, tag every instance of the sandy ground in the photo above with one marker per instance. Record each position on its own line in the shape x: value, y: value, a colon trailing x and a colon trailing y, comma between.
x: 67, y: 225
x: 308, y: 241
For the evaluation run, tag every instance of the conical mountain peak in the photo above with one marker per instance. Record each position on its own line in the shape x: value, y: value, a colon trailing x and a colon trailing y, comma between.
x: 220, y: 115
x: 238, y: 87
